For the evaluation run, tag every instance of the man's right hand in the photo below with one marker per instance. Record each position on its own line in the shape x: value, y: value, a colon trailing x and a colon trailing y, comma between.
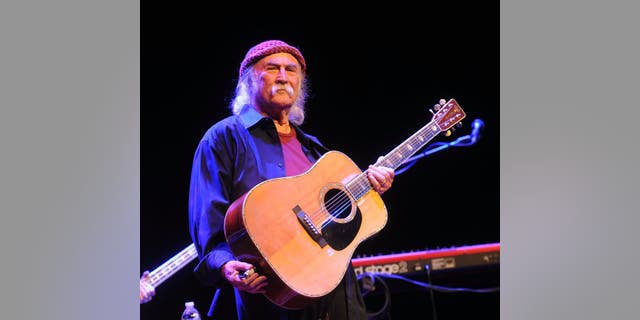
x: 254, y: 283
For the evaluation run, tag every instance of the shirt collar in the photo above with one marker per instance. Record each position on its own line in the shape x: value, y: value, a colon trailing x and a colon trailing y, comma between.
x: 250, y: 116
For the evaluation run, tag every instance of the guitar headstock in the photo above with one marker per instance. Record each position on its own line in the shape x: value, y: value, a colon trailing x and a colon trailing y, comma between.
x: 448, y: 115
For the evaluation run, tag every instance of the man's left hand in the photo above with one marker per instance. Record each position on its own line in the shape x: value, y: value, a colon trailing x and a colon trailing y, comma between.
x: 381, y: 178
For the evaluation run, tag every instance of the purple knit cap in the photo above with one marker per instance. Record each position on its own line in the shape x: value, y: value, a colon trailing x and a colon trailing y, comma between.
x: 269, y: 47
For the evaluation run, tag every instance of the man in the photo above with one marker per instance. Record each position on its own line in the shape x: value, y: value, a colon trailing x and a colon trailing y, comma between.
x: 261, y: 141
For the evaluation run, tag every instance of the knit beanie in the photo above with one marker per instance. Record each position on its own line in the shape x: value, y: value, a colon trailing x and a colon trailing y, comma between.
x: 269, y: 47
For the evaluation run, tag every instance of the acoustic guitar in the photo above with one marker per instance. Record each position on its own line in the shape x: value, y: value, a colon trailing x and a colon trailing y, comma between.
x: 301, y: 231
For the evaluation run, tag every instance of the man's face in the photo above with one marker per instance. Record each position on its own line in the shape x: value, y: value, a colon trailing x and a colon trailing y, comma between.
x: 278, y: 77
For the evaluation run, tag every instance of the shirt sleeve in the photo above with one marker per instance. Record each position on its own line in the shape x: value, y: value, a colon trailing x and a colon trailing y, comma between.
x: 208, y: 201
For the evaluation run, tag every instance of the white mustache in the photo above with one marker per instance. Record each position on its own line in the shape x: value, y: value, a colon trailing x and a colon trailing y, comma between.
x: 286, y: 87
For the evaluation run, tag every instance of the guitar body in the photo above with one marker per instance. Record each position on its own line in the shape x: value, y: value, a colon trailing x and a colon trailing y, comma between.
x: 301, y: 231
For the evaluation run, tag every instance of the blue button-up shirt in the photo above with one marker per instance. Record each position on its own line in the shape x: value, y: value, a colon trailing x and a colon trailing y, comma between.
x: 233, y: 156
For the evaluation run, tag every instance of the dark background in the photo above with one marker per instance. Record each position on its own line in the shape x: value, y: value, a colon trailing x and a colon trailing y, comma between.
x: 373, y: 78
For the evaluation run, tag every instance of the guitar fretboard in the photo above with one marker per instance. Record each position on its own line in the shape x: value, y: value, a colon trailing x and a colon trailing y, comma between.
x: 360, y: 185
x: 172, y: 265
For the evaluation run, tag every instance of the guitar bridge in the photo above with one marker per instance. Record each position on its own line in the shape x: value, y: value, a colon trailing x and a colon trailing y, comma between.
x: 308, y: 226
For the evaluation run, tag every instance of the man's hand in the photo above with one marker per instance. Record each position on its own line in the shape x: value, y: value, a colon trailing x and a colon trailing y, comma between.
x: 147, y: 291
x: 381, y: 178
x: 234, y: 272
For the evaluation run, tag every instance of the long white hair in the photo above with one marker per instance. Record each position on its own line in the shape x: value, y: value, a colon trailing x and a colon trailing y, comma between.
x: 247, y: 87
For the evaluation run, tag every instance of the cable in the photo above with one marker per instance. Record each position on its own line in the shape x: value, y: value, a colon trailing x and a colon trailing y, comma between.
x: 464, y: 141
x: 369, y: 279
x: 428, y: 285
x: 368, y: 286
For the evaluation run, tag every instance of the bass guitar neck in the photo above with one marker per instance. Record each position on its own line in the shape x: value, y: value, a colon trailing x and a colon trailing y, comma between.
x: 171, y: 266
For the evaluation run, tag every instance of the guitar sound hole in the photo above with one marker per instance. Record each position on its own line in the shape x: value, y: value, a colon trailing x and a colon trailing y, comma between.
x: 337, y: 203
x: 340, y: 231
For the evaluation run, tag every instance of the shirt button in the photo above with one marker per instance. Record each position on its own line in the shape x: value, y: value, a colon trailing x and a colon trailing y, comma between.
x: 280, y: 165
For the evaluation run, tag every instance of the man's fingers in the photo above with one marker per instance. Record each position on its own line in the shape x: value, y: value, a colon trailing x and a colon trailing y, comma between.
x: 260, y: 288
x: 254, y: 283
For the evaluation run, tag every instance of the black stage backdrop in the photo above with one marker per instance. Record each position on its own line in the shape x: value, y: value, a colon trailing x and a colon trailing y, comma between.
x: 373, y: 79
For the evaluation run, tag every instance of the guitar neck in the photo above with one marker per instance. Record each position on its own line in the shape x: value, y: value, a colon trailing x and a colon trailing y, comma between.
x: 171, y: 266
x: 360, y: 185
x: 409, y: 147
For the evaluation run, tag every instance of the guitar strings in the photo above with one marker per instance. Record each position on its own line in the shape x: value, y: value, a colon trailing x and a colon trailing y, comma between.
x: 336, y: 204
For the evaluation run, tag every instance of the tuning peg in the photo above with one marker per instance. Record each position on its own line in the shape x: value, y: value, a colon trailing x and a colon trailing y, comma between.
x: 447, y: 133
x: 436, y: 107
x: 430, y: 110
x: 459, y: 124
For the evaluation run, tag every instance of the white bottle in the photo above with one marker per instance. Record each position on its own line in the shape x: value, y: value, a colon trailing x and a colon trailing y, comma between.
x: 190, y: 312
